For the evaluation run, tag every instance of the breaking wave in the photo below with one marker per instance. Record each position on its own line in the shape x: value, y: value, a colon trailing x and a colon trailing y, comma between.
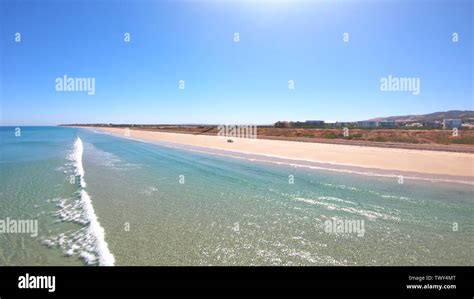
x: 88, y: 242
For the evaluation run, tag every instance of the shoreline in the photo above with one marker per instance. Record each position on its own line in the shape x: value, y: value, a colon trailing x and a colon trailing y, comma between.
x: 427, y: 144
x: 388, y: 162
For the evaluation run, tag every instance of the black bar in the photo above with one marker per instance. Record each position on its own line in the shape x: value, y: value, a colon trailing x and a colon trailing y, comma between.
x: 218, y: 282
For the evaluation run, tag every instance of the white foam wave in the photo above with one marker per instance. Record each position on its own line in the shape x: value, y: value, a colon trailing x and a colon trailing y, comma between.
x: 95, y: 229
x: 88, y: 242
x: 106, y: 258
x: 76, y: 158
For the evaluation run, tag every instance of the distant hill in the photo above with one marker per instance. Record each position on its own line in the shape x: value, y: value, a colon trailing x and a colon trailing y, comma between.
x: 428, y: 117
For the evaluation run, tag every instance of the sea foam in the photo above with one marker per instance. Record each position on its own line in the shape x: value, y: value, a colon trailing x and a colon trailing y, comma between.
x: 88, y: 242
x: 76, y: 157
x: 95, y: 229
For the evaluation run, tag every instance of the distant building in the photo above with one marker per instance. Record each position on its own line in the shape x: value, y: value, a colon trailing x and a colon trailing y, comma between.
x: 451, y: 123
x: 314, y: 122
x: 386, y: 124
x: 343, y: 124
x: 367, y: 124
x: 433, y: 124
x: 414, y: 125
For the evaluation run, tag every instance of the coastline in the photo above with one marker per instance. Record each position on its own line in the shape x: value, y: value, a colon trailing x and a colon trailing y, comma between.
x: 390, y: 161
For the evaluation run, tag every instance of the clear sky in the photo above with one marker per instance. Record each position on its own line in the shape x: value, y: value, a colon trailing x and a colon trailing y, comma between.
x: 226, y: 81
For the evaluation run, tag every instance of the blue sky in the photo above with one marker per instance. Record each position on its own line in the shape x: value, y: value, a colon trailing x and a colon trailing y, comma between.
x: 228, y: 82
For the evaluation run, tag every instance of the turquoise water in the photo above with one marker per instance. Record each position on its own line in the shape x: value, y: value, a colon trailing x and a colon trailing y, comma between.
x: 146, y: 204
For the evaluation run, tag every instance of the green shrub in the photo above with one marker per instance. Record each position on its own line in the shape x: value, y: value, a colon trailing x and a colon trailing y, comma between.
x: 330, y: 135
x: 444, y: 140
x: 463, y: 140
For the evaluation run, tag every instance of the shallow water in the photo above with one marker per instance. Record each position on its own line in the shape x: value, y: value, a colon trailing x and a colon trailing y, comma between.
x: 166, y: 206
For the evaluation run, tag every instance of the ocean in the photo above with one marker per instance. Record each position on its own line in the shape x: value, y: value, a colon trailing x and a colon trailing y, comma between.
x: 99, y: 199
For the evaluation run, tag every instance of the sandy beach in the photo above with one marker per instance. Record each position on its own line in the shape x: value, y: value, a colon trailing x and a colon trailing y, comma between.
x: 390, y: 159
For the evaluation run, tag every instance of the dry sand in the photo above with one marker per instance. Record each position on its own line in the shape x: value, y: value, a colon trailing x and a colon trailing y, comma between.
x: 403, y: 160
